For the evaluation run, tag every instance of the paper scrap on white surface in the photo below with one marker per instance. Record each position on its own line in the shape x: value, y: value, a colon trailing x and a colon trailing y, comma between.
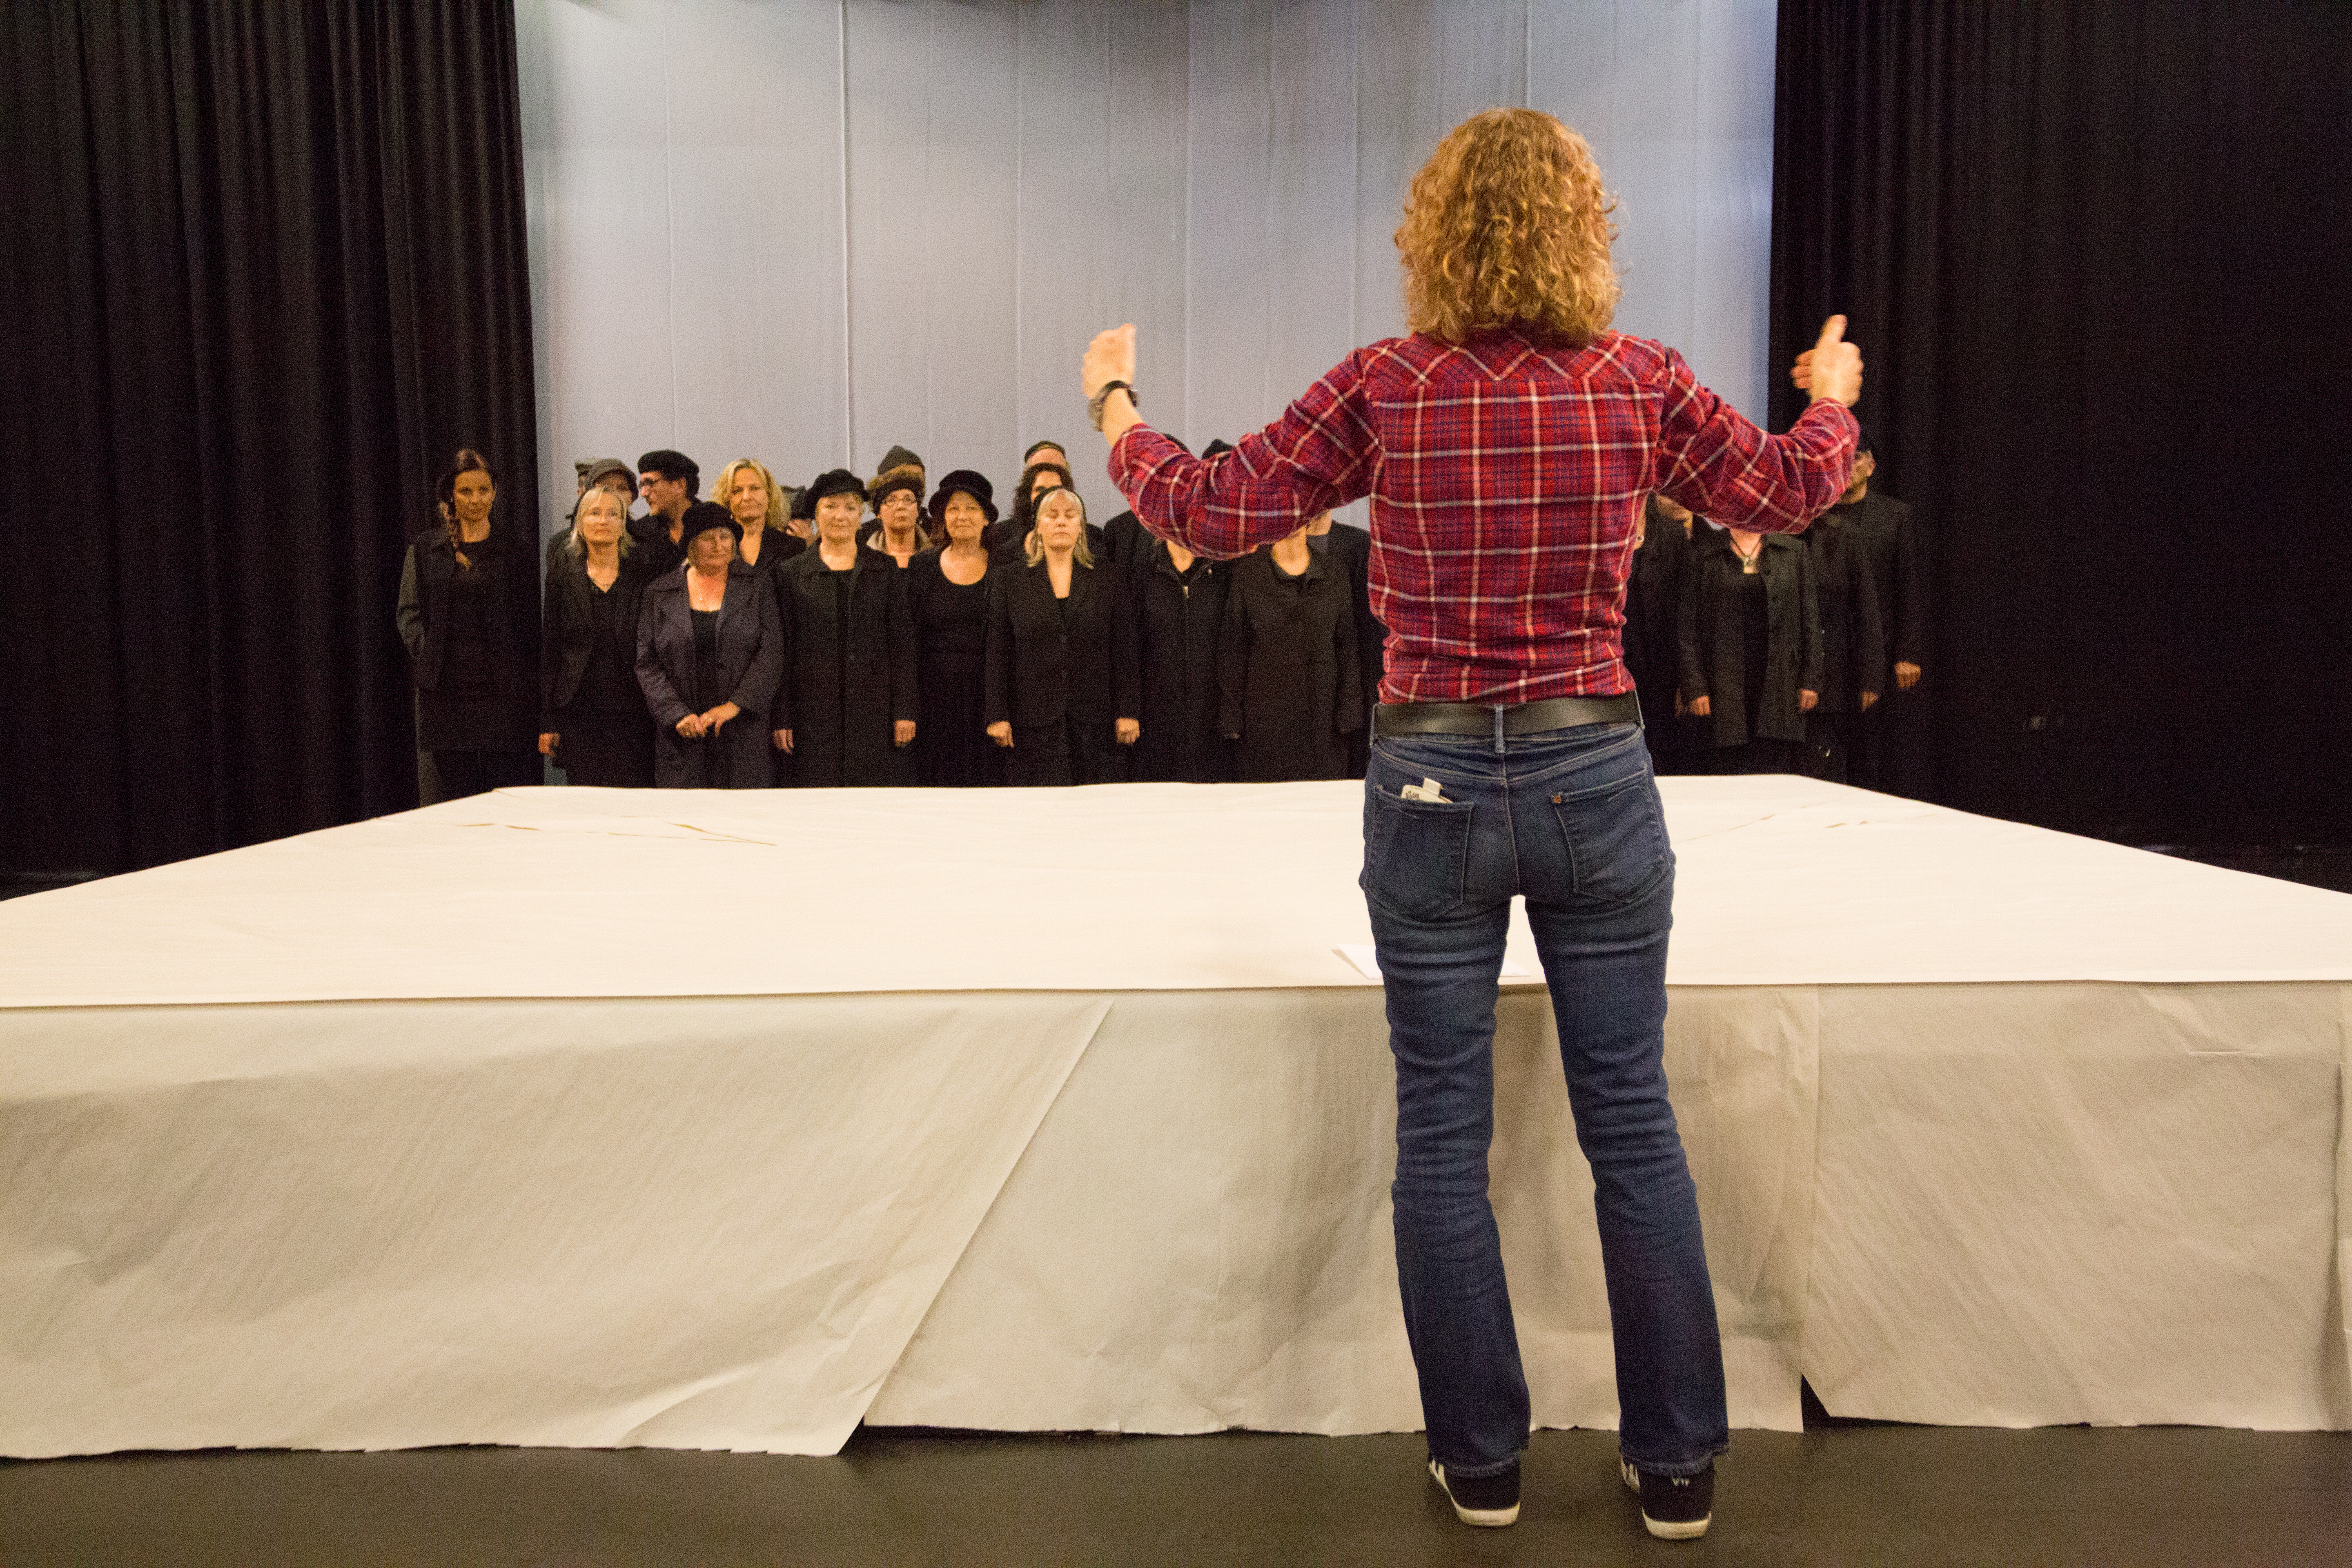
x: 1361, y: 955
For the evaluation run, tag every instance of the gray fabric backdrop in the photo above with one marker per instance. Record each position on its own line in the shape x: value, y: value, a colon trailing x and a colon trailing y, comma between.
x: 805, y: 229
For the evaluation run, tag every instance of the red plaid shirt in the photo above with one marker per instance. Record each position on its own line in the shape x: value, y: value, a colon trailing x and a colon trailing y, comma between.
x: 1506, y: 480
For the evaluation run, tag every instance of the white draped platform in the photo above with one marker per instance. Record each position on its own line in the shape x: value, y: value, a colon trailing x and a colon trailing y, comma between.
x: 594, y: 1117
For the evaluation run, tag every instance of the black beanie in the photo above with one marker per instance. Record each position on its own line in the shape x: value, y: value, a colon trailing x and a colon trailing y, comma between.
x: 1030, y: 455
x: 705, y: 515
x: 671, y: 464
x: 899, y: 457
x: 832, y: 482
x: 1213, y: 448
x: 964, y: 481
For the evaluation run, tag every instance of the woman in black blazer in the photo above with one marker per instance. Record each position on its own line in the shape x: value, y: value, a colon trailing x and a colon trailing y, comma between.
x: 1287, y: 664
x: 846, y: 708
x: 1751, y: 648
x: 465, y: 610
x: 1180, y: 615
x: 593, y: 717
x: 709, y: 651
x: 947, y: 600
x: 1063, y: 695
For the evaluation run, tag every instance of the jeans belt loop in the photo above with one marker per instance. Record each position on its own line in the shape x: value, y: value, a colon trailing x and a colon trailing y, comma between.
x: 1498, y: 728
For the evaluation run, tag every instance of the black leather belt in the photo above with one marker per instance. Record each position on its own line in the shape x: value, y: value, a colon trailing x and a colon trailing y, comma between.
x: 1517, y: 718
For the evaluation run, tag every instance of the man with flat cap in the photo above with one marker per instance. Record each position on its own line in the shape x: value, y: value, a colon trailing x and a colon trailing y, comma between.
x: 668, y: 481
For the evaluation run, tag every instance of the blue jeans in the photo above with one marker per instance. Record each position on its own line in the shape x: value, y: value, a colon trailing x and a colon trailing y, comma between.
x: 1571, y: 820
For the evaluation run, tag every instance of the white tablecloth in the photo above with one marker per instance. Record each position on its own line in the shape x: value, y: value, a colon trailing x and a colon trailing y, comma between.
x: 729, y: 1120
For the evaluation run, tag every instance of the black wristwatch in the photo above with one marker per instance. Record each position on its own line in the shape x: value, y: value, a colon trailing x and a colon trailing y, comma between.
x: 1095, y: 403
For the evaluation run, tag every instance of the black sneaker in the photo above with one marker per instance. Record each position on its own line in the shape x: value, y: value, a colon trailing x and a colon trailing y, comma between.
x: 1489, y: 1500
x: 1673, y: 1507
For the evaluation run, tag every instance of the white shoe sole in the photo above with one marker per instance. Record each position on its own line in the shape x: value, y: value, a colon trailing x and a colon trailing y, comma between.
x: 1485, y: 1518
x: 1665, y: 1529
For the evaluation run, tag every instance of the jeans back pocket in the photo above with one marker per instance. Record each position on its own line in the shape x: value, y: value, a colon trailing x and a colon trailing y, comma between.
x: 1616, y: 835
x: 1416, y: 852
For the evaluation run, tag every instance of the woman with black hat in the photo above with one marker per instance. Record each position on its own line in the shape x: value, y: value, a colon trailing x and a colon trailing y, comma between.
x: 465, y: 611
x: 1287, y: 664
x: 947, y: 598
x: 709, y: 653
x: 846, y: 708
x: 593, y: 717
x: 1062, y: 696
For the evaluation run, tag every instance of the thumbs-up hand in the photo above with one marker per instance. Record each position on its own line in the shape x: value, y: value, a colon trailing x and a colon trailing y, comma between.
x: 1832, y: 368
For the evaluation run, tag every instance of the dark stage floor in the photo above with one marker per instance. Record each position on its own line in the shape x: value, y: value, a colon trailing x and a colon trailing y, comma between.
x: 1844, y: 1494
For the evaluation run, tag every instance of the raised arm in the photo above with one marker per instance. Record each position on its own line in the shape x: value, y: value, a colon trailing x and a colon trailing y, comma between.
x: 1715, y: 461
x: 1319, y: 455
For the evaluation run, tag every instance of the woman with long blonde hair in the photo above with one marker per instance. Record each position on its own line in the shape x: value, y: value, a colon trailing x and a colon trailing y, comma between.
x: 1508, y: 444
x: 751, y: 496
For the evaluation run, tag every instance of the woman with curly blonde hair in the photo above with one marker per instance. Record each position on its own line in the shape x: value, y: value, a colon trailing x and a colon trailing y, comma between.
x: 1509, y: 444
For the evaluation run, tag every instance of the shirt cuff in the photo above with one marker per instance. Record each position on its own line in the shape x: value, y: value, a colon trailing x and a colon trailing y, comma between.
x: 1138, y: 447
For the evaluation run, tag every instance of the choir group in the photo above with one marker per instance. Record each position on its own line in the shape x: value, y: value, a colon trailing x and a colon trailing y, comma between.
x: 893, y: 631
x: 875, y: 632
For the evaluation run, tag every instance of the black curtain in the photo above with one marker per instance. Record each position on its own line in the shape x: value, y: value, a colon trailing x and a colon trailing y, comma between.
x: 2095, y: 253
x: 262, y: 270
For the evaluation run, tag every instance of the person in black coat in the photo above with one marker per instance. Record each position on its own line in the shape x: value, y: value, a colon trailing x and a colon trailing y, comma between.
x: 1853, y: 656
x: 1751, y: 649
x: 1652, y: 639
x: 1291, y: 688
x: 1350, y: 550
x: 947, y: 600
x: 709, y: 651
x: 464, y: 614
x: 593, y: 721
x: 1063, y: 695
x: 846, y: 709
x: 1180, y: 618
x: 1889, y: 749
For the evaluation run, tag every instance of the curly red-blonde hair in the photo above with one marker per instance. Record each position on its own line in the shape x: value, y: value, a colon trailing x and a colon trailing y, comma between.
x: 1508, y: 225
